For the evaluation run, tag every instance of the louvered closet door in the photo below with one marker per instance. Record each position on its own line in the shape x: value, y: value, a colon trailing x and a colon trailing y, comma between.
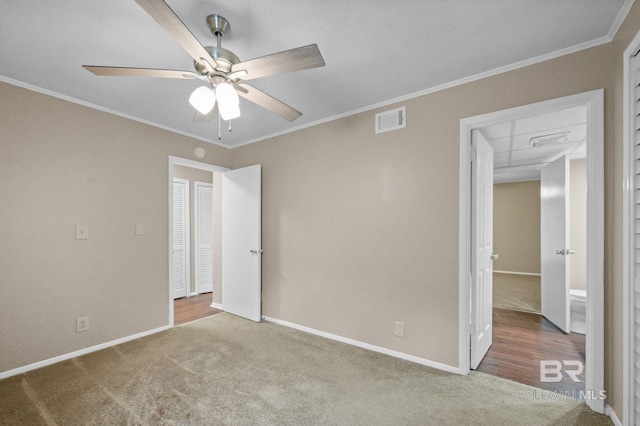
x: 635, y: 315
x: 179, y: 251
x: 204, y: 237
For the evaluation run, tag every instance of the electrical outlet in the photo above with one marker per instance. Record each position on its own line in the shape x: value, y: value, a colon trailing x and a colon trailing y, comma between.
x: 82, y: 324
x: 399, y: 331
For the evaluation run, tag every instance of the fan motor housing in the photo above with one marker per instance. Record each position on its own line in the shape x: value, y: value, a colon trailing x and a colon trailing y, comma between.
x: 224, y: 60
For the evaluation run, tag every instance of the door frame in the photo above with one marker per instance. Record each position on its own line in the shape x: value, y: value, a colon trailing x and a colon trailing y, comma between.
x: 178, y: 161
x: 594, y: 101
x: 628, y: 243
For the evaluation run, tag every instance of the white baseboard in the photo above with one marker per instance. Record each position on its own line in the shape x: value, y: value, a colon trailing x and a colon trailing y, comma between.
x: 64, y: 357
x: 608, y: 411
x: 217, y: 306
x: 368, y: 346
x: 531, y: 274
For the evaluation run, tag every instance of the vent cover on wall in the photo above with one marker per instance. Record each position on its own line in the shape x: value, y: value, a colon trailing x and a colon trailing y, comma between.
x: 391, y: 120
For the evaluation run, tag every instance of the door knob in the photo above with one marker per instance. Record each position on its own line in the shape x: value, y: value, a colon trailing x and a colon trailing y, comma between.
x: 565, y: 252
x: 495, y: 256
x: 256, y: 251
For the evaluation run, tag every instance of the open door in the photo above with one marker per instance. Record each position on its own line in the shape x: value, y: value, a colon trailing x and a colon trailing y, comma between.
x: 554, y: 243
x: 241, y: 242
x: 482, y: 248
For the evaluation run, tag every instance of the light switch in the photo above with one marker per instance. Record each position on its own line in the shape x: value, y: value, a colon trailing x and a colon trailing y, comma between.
x: 139, y: 228
x: 82, y: 232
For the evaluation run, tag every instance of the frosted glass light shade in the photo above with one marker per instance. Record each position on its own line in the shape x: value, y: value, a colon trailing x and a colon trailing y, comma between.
x: 203, y: 99
x: 228, y: 101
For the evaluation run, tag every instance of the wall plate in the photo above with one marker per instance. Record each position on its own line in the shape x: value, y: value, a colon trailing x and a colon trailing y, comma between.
x: 199, y: 152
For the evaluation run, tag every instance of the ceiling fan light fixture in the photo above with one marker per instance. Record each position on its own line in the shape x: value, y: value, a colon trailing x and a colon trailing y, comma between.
x: 228, y: 101
x: 203, y: 99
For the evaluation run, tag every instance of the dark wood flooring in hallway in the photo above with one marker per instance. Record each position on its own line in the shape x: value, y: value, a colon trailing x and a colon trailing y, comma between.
x: 521, y: 340
x: 187, y: 309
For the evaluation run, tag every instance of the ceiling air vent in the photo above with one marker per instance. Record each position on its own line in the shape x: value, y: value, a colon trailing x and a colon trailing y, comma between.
x: 391, y: 120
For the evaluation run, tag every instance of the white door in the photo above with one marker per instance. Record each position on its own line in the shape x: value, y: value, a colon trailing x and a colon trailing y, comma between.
x: 204, y: 237
x: 554, y: 243
x: 482, y: 247
x: 241, y: 242
x: 180, y: 249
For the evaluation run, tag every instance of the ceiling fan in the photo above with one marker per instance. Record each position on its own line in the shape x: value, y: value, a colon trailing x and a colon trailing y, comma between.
x: 224, y: 73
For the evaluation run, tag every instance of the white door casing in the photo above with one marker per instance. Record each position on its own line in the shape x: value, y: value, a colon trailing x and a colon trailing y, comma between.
x: 482, y: 248
x: 631, y: 235
x: 594, y: 101
x: 180, y: 249
x: 554, y: 243
x: 204, y: 237
x: 241, y: 242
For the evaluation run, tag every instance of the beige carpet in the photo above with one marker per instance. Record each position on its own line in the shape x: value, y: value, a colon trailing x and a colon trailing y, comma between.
x: 516, y: 292
x: 226, y: 370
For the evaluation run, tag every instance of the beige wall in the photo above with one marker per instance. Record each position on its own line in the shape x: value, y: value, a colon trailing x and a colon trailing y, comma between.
x: 359, y: 230
x: 516, y: 226
x: 578, y: 229
x: 62, y: 164
x: 217, y: 243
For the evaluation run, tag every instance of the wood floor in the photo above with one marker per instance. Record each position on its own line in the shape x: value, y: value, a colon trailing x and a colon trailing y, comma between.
x: 187, y: 309
x: 521, y: 340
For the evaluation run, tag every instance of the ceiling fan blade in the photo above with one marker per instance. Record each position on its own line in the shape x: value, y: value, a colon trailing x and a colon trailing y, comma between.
x: 166, y: 17
x: 290, y: 60
x: 260, y: 98
x: 140, y: 72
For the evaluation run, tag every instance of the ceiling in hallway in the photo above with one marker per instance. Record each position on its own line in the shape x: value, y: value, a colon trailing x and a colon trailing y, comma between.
x: 522, y: 147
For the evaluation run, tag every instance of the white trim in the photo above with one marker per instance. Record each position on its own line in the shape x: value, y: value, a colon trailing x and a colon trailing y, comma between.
x: 628, y: 273
x: 70, y: 355
x: 622, y: 15
x: 178, y: 161
x: 104, y: 109
x: 595, y: 249
x: 368, y: 346
x: 443, y: 86
x: 624, y: 10
x: 217, y: 306
x: 594, y: 101
x: 532, y: 274
x: 608, y: 411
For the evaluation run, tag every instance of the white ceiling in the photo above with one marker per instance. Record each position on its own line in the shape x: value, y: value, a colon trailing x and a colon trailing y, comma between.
x: 514, y: 158
x: 375, y: 51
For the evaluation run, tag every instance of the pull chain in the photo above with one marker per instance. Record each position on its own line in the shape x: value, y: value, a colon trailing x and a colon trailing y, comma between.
x: 219, y: 125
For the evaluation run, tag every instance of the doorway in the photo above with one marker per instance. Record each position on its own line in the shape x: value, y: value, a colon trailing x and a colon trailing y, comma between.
x: 201, y: 268
x: 240, y: 254
x: 593, y: 102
